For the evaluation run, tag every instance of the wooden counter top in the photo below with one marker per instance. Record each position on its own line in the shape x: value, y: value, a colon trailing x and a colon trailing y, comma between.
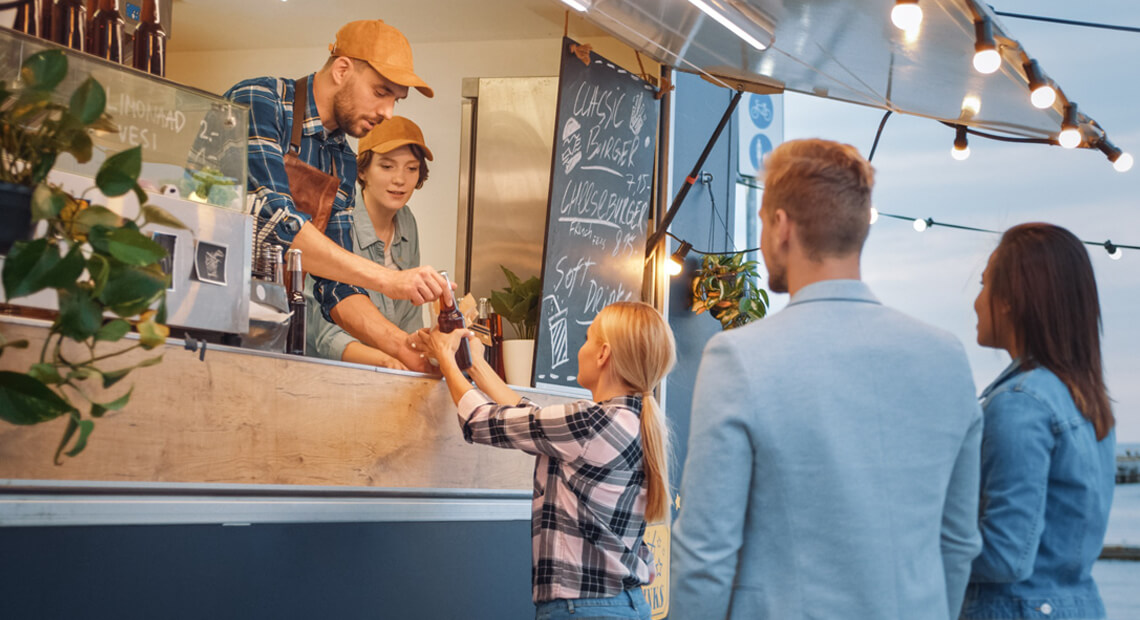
x: 240, y: 417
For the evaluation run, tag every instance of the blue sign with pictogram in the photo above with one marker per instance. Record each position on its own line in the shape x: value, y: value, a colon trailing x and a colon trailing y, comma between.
x: 760, y: 123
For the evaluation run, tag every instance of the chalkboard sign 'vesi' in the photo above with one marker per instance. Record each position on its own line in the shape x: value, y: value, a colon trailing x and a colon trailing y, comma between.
x: 601, y: 185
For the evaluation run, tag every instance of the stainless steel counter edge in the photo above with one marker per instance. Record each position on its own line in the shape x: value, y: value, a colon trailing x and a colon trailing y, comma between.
x: 31, y: 503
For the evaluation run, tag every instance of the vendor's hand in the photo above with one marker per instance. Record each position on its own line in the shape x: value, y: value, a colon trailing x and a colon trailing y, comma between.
x: 420, y: 285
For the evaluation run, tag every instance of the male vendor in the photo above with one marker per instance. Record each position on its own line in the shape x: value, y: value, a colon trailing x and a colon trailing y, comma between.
x: 368, y: 70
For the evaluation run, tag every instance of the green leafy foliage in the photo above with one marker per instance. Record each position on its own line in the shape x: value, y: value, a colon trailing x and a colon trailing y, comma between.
x: 96, y: 260
x: 726, y: 286
x: 519, y: 303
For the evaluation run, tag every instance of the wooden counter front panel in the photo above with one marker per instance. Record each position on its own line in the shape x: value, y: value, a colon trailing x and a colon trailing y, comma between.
x: 248, y: 419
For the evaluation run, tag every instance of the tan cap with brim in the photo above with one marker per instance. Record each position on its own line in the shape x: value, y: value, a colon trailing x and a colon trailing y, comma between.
x: 391, y: 135
x: 383, y: 47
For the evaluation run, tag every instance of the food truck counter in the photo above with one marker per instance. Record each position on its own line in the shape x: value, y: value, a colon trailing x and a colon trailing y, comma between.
x: 233, y: 435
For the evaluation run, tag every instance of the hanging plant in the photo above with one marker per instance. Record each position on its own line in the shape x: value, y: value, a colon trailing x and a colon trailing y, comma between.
x: 98, y: 263
x: 726, y: 286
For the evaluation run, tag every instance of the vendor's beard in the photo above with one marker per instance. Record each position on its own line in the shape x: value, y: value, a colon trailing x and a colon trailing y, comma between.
x: 343, y: 113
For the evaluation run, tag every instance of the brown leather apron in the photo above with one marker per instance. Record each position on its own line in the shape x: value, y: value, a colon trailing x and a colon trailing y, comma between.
x: 312, y: 189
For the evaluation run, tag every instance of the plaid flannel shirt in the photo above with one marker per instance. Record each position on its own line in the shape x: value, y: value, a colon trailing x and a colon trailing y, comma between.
x: 270, y: 102
x: 588, y: 512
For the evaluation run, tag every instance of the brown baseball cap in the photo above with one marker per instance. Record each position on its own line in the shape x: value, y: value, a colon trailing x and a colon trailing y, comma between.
x: 391, y: 135
x: 383, y: 47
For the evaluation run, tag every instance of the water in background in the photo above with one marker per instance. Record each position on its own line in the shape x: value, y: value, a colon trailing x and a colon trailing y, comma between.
x: 1117, y: 579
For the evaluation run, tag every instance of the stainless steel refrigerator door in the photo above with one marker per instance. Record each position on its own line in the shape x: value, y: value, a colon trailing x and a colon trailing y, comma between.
x: 506, y: 145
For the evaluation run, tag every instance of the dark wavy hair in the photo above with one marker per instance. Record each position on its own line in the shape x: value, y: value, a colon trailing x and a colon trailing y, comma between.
x: 1042, y: 273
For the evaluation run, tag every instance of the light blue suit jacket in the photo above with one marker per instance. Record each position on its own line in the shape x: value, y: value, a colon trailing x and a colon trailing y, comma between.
x: 832, y: 469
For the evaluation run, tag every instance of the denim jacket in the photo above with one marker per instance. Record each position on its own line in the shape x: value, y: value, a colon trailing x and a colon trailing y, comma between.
x: 1047, y: 488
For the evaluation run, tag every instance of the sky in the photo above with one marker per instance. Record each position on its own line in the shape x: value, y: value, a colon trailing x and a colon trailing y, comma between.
x: 935, y: 275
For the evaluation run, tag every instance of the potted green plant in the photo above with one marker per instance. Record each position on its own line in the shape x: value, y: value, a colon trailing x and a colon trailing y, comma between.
x: 97, y: 261
x: 518, y: 304
x: 726, y: 286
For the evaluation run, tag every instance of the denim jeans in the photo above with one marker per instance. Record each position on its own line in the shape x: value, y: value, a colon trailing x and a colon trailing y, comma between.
x: 629, y: 604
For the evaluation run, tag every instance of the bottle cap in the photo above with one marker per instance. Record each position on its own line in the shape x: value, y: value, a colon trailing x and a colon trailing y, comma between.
x: 293, y: 260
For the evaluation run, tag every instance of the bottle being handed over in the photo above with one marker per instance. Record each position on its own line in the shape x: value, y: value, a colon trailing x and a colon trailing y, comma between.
x: 451, y: 319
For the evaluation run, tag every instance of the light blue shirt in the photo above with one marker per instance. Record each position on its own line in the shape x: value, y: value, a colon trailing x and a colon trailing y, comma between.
x: 1047, y: 487
x: 327, y: 340
x: 832, y: 468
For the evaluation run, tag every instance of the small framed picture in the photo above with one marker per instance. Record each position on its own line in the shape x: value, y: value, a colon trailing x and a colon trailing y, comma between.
x: 210, y: 262
x: 170, y: 244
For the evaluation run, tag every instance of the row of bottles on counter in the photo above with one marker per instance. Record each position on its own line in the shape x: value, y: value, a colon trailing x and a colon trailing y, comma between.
x: 96, y: 27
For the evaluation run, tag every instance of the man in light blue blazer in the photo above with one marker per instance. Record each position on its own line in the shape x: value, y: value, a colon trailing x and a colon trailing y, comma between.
x: 833, y: 460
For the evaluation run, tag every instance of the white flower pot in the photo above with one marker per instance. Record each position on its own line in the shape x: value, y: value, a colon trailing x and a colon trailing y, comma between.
x: 518, y: 355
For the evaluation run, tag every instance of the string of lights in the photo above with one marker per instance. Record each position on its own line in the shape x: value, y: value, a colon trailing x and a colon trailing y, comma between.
x: 1066, y: 22
x: 990, y: 53
x: 677, y: 260
x: 1114, y: 250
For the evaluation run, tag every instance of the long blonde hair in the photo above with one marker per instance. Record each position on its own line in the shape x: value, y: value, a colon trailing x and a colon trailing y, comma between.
x: 642, y: 353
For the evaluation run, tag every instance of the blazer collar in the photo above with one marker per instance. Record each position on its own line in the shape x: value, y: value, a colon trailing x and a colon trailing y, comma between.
x: 835, y: 290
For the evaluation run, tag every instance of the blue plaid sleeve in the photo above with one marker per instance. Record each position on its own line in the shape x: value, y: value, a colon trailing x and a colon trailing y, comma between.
x: 327, y: 292
x: 267, y: 133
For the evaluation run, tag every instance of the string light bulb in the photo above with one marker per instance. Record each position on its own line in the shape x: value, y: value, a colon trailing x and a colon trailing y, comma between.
x: 1113, y: 252
x: 1041, y: 91
x: 961, y: 150
x: 986, y: 56
x: 921, y: 224
x: 677, y: 261
x: 1070, y: 136
x: 874, y: 215
x: 1121, y: 161
x: 971, y: 106
x: 906, y: 15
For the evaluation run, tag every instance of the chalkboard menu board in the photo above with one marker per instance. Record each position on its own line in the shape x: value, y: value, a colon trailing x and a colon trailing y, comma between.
x: 601, y: 186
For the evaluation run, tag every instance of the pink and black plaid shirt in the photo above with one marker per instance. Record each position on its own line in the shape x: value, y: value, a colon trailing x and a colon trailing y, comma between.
x: 588, y: 512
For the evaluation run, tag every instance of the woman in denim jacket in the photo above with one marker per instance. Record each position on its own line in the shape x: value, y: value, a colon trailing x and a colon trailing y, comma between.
x: 1048, y: 460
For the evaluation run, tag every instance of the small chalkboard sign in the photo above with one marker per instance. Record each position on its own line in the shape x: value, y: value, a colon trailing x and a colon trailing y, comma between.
x: 601, y: 185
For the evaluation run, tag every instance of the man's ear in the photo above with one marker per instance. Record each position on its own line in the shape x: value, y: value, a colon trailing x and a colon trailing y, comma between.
x: 340, y: 70
x: 782, y: 226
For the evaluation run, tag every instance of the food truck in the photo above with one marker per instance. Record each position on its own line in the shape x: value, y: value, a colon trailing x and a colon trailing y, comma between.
x: 241, y: 481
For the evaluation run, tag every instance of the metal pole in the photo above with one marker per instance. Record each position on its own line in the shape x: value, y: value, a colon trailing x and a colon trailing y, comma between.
x: 659, y: 234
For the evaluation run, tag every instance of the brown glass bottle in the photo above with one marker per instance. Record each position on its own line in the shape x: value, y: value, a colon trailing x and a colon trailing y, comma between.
x: 47, y: 19
x: 150, y: 41
x: 451, y: 319
x: 28, y: 18
x: 295, y: 337
x: 105, y: 36
x: 494, y: 325
x: 71, y: 24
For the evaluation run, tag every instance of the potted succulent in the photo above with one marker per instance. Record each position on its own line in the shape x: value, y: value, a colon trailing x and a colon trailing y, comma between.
x: 518, y: 304
x: 97, y: 261
x: 726, y: 286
